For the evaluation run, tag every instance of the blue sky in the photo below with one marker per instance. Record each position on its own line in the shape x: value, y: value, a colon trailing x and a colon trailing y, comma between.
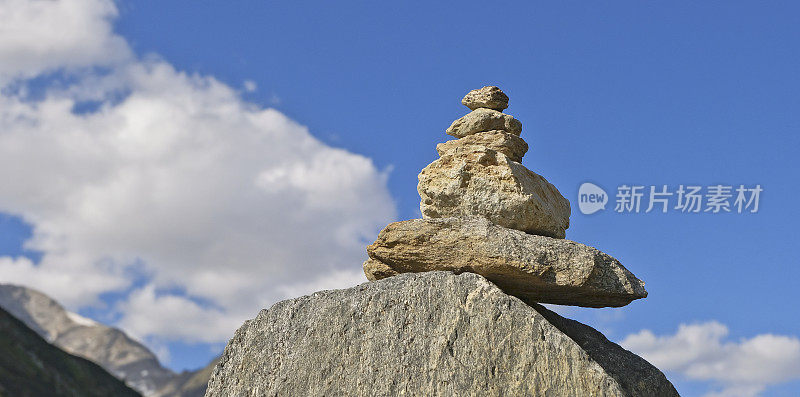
x: 644, y: 93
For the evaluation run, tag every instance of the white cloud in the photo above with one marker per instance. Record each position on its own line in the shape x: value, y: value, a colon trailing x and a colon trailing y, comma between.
x: 172, y: 317
x: 335, y: 280
x: 250, y: 86
x: 700, y: 352
x: 42, y: 35
x: 173, y: 178
x: 73, y: 282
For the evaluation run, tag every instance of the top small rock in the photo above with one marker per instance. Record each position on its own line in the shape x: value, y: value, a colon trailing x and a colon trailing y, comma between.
x: 489, y: 97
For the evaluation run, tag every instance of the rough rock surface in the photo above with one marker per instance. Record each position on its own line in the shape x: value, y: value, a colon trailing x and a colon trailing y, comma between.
x: 489, y: 97
x: 486, y: 183
x: 480, y: 120
x: 510, y: 145
x: 425, y: 334
x: 533, y: 268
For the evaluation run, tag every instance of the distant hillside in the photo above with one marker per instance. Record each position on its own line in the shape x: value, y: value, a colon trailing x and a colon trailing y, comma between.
x: 189, y: 383
x: 29, y: 366
x: 109, y: 347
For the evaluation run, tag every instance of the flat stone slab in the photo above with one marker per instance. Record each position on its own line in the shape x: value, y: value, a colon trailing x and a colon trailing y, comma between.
x: 482, y: 119
x: 509, y: 144
x: 531, y: 267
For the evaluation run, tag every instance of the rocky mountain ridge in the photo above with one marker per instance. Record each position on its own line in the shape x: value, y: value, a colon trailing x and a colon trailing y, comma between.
x: 112, y: 349
x: 32, y: 367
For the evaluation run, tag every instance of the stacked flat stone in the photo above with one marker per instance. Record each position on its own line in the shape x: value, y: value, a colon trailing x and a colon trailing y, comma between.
x: 484, y: 212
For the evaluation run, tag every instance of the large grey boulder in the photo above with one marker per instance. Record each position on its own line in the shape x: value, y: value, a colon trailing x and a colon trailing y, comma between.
x: 484, y: 182
x: 425, y: 334
x: 533, y: 268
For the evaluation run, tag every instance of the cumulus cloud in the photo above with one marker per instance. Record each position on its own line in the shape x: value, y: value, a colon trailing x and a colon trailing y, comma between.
x: 328, y: 281
x: 220, y: 205
x: 43, y: 35
x: 700, y: 352
x: 174, y: 317
x: 250, y: 86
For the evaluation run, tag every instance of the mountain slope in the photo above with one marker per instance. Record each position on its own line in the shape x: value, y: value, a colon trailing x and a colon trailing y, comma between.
x: 190, y: 383
x: 29, y: 366
x: 109, y: 347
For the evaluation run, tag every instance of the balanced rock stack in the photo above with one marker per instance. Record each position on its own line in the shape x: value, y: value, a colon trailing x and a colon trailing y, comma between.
x: 484, y: 212
x: 456, y: 311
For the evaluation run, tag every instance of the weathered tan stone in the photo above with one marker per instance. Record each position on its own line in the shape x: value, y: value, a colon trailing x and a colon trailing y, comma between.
x: 489, y: 97
x: 532, y: 268
x: 486, y: 183
x: 510, y: 145
x: 377, y: 270
x: 480, y: 120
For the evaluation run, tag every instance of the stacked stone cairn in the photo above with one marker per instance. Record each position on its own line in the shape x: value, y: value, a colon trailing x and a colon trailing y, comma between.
x: 484, y: 212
